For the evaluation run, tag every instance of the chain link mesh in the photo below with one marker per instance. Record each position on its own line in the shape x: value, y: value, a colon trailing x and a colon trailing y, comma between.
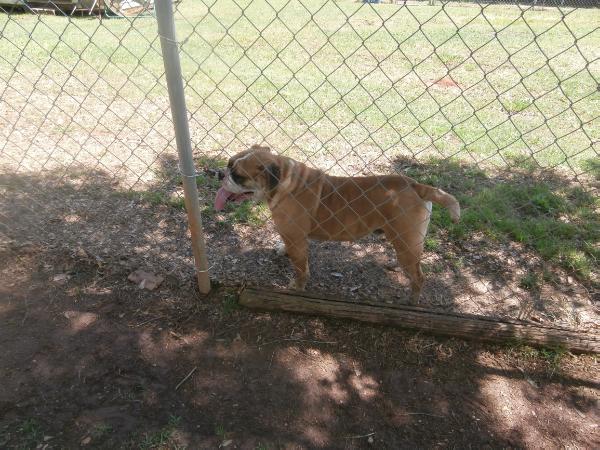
x: 498, y: 104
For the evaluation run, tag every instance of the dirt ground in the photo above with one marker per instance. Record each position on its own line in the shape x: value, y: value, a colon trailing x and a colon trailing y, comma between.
x: 94, y: 214
x: 91, y: 360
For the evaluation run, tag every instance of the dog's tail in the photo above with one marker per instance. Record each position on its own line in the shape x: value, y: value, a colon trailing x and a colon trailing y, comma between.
x: 435, y: 195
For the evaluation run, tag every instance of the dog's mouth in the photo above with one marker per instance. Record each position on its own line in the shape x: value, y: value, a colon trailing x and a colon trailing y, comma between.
x: 224, y: 196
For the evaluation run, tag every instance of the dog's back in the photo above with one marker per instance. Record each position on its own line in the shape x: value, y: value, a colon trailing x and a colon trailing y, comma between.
x: 352, y: 207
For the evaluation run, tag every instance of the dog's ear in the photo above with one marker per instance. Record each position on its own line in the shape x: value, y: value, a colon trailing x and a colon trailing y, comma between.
x: 272, y: 174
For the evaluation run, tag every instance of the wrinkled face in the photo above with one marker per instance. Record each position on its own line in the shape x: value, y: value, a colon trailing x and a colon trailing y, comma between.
x: 255, y: 170
x: 250, y: 174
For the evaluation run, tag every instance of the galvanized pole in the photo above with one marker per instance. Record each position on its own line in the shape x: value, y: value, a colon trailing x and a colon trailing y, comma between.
x: 170, y: 52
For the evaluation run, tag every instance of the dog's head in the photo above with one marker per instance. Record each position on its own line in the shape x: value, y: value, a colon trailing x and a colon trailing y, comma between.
x: 253, y: 173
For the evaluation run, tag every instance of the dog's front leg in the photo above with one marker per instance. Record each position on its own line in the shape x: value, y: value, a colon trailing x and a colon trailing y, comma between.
x: 297, y: 251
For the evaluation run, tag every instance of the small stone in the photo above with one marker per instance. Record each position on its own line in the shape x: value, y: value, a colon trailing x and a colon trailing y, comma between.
x: 531, y: 382
x: 336, y: 274
x: 370, y: 440
x: 226, y: 443
x: 61, y: 277
x: 86, y: 440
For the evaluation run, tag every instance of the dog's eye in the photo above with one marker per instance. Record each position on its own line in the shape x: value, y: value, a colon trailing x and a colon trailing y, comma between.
x: 239, y: 179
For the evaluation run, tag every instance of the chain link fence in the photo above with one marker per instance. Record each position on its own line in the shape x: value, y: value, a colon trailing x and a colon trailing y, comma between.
x: 498, y: 104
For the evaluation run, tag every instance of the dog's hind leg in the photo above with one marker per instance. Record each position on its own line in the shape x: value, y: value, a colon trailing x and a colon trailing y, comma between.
x: 409, y: 258
x: 408, y: 245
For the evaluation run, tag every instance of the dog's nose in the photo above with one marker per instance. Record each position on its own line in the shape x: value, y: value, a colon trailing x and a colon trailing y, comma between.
x: 221, y: 174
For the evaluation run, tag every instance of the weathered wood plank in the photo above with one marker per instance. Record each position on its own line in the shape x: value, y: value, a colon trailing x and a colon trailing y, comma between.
x: 464, y: 326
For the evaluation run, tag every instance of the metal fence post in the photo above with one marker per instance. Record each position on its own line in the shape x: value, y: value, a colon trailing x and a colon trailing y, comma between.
x: 170, y: 52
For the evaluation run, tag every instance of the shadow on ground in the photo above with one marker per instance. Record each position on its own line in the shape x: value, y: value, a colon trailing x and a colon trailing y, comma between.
x: 91, y: 359
x: 525, y: 246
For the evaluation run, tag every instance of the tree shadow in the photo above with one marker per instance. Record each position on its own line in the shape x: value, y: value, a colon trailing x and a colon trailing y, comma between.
x: 524, y: 247
x: 83, y: 363
x: 89, y: 358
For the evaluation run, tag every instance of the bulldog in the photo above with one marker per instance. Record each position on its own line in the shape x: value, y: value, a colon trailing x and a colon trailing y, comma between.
x: 307, y: 203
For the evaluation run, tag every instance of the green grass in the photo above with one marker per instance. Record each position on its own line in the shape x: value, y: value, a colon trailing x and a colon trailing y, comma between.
x: 220, y: 431
x: 230, y: 304
x: 432, y: 243
x: 514, y: 106
x: 157, y: 197
x: 552, y: 357
x: 162, y: 436
x: 361, y: 76
x: 548, y: 215
x: 556, y: 222
x: 530, y: 281
x: 207, y: 180
x: 248, y: 213
x: 100, y: 431
x: 31, y: 433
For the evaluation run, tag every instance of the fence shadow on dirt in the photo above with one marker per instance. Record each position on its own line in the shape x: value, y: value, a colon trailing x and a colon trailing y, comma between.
x: 91, y: 358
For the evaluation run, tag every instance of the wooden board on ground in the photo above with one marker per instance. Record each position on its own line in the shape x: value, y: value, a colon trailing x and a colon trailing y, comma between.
x: 464, y: 326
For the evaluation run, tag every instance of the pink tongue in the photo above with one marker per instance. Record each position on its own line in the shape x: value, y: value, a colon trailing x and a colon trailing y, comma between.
x: 221, y: 198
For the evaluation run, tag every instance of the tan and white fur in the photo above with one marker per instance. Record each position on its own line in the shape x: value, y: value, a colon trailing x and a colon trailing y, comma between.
x: 308, y: 204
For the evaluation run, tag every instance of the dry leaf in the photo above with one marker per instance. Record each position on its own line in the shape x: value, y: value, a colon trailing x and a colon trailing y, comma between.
x: 145, y: 280
x: 61, y: 277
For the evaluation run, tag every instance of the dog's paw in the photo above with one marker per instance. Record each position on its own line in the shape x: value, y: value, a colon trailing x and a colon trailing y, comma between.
x: 393, y: 268
x: 414, y: 299
x: 281, y: 250
x: 296, y: 286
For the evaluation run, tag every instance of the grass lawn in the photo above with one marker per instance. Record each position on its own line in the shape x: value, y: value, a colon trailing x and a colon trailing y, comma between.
x: 499, y: 104
x: 524, y: 81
